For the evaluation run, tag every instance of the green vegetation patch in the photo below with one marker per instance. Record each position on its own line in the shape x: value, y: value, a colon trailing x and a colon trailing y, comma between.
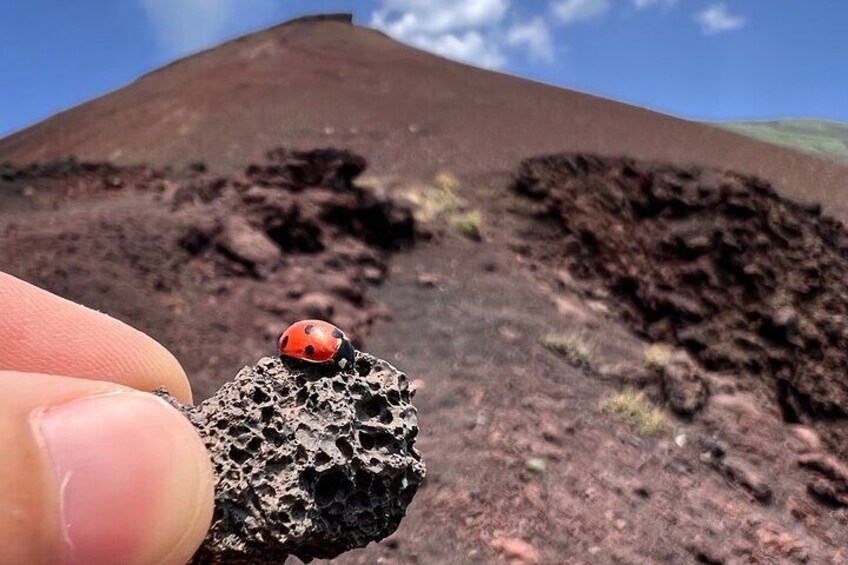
x: 821, y: 138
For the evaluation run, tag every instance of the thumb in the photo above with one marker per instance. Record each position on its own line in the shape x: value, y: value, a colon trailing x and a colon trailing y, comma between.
x: 93, y: 472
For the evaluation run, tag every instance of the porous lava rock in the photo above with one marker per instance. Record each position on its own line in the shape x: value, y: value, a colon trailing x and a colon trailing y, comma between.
x: 309, y: 460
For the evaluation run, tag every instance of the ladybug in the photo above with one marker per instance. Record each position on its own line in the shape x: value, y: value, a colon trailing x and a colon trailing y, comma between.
x: 316, y: 341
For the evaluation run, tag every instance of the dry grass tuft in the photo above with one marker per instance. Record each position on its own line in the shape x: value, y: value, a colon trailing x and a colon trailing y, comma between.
x: 636, y: 410
x: 657, y: 356
x: 441, y: 200
x: 572, y: 346
x: 468, y: 224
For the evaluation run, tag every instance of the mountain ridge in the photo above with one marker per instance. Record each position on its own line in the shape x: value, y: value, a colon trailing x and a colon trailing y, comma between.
x: 322, y: 81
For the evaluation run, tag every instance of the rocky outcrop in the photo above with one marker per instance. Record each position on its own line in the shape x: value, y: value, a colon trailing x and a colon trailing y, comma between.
x: 750, y: 283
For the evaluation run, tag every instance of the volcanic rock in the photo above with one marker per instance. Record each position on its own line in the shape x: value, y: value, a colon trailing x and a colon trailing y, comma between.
x: 683, y: 385
x: 309, y: 460
x: 247, y: 244
x: 745, y: 475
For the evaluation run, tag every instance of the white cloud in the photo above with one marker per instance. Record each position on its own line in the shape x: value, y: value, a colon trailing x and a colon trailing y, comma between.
x: 718, y: 19
x: 465, y: 31
x: 438, y: 16
x: 468, y: 46
x: 571, y: 11
x: 185, y: 26
x: 533, y: 35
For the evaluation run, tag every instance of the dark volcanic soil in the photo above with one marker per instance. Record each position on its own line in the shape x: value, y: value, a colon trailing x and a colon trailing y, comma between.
x: 214, y: 267
x: 751, y: 284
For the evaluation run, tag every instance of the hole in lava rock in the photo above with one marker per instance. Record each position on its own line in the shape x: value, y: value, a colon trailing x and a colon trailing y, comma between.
x: 394, y: 397
x: 273, y: 436
x: 195, y: 241
x: 364, y: 366
x: 331, y: 486
x: 254, y: 444
x: 298, y: 510
x: 265, y: 490
x: 360, y: 498
x: 372, y: 407
x: 366, y: 441
x: 362, y: 480
x: 375, y: 439
x: 345, y: 448
x: 302, y: 396
x: 259, y: 396
x: 238, y: 456
x: 267, y: 413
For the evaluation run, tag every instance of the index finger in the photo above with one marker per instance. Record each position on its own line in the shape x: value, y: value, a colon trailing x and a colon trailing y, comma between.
x: 43, y: 333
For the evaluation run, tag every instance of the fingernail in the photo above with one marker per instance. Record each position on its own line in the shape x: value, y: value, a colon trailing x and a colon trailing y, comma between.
x: 133, y: 479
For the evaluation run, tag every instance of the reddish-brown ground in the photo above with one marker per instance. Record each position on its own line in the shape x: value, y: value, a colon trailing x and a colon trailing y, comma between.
x: 206, y: 264
x: 524, y: 466
x: 215, y: 266
x: 320, y: 83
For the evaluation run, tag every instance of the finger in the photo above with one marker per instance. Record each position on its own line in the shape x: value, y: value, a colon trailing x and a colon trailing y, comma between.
x: 94, y: 473
x: 43, y: 333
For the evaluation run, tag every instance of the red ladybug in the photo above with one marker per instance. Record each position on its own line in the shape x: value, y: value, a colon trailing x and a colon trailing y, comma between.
x: 316, y: 341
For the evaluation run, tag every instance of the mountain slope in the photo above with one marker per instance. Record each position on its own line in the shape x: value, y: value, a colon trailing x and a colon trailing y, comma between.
x: 322, y: 82
x: 817, y: 137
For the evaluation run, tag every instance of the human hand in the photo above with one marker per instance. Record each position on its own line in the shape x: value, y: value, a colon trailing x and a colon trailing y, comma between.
x: 93, y: 471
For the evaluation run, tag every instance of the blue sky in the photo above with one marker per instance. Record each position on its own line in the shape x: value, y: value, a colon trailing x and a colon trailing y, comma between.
x: 700, y: 59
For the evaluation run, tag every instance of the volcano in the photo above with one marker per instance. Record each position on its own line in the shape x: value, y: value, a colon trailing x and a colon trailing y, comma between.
x: 627, y: 333
x: 322, y: 81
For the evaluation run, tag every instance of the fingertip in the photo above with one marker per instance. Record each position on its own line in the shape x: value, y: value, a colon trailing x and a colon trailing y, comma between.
x: 98, y: 473
x: 127, y: 492
x: 150, y: 367
x: 44, y: 333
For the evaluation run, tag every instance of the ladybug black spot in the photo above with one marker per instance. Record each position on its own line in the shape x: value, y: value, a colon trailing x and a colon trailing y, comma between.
x: 337, y: 333
x: 309, y: 349
x: 284, y: 342
x: 308, y: 329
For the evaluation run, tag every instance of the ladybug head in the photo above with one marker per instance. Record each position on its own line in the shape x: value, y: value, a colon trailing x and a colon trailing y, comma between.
x: 345, y: 354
